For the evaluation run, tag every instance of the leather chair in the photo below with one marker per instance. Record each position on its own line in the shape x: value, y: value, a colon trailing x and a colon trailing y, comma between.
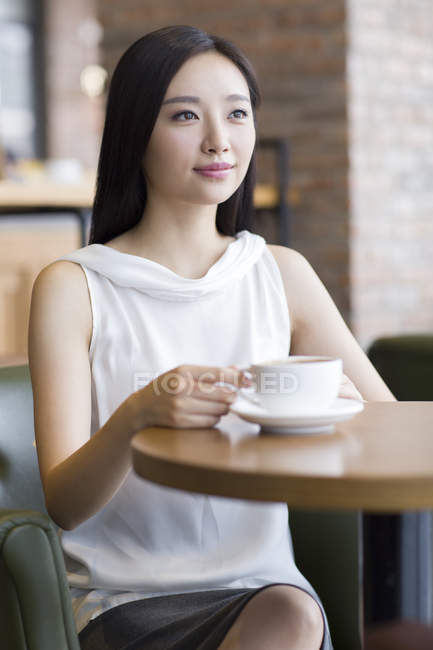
x: 35, y: 604
x: 327, y: 547
x: 405, y: 363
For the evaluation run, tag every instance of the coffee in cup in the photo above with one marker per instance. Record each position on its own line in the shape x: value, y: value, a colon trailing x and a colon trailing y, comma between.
x: 304, y: 384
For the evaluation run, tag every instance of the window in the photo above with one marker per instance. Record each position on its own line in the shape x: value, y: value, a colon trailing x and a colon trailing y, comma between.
x: 21, y: 88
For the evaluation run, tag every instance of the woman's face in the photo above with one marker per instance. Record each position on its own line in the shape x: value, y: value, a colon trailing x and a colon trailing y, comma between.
x: 205, y: 118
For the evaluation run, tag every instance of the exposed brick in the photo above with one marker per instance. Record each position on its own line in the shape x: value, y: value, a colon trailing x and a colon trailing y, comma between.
x: 74, y: 120
x: 391, y: 136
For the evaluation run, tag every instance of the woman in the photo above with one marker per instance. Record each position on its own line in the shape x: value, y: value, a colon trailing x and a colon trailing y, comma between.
x: 140, y: 328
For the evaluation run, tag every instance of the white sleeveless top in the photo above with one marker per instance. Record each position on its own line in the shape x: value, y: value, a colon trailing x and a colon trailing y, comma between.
x: 151, y: 540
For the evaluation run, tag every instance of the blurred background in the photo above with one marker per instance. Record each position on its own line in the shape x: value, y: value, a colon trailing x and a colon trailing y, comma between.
x: 345, y: 156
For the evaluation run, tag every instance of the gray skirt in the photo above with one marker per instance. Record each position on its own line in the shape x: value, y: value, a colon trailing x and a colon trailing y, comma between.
x: 190, y: 621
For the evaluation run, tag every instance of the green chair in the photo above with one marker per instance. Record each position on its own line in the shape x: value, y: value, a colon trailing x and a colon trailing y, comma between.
x: 327, y: 547
x: 406, y: 365
x: 35, y: 604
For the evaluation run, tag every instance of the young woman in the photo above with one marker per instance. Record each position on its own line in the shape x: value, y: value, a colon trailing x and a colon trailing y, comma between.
x: 139, y: 328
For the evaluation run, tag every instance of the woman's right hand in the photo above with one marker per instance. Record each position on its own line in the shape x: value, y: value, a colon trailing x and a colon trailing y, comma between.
x: 187, y: 396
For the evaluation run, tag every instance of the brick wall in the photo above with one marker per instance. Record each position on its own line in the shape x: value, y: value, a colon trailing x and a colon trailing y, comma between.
x: 390, y: 76
x: 74, y: 120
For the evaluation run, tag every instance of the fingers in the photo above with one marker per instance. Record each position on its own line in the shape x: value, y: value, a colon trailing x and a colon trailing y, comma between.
x: 186, y: 412
x: 194, y: 421
x: 212, y: 374
x: 202, y: 382
x: 226, y: 393
x: 194, y: 396
x: 205, y: 407
x: 348, y: 390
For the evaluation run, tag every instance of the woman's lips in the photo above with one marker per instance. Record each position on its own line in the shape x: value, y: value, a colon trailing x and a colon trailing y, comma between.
x: 215, y: 171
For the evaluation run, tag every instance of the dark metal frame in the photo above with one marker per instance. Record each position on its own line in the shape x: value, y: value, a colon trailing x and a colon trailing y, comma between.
x: 283, y: 210
x: 39, y: 68
x: 81, y: 214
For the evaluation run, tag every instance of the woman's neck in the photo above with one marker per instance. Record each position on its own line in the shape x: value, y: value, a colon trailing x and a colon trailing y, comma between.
x: 188, y: 252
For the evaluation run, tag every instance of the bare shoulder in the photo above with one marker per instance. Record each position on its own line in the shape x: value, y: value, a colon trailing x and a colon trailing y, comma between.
x: 63, y: 271
x: 287, y: 257
x: 294, y: 267
x: 61, y: 291
x: 304, y: 290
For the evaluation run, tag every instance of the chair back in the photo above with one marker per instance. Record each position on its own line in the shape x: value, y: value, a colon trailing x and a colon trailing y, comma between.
x: 35, y: 603
x: 20, y: 484
x: 405, y: 362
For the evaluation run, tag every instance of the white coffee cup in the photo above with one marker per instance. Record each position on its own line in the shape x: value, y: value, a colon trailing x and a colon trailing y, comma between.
x: 304, y: 384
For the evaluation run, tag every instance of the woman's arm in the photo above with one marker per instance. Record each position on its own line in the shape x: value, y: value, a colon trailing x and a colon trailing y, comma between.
x: 318, y: 327
x: 80, y: 473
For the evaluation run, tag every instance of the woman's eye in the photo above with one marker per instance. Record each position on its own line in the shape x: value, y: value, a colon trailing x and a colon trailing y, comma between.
x: 179, y: 115
x: 240, y: 110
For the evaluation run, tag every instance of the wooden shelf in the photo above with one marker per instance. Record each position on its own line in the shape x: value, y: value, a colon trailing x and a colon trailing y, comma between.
x: 42, y: 193
x: 13, y: 360
x: 15, y: 195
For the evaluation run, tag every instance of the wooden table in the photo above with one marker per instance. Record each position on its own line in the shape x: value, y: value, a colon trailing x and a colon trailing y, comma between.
x: 381, y: 461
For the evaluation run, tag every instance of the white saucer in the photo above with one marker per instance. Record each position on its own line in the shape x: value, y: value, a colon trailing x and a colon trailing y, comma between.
x: 301, y: 423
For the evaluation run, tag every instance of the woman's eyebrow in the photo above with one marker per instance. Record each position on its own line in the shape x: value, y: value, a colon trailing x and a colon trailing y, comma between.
x: 237, y: 98
x: 188, y: 99
x: 185, y: 99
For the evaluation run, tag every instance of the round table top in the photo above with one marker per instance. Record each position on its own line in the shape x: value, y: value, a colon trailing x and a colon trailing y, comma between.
x: 380, y: 460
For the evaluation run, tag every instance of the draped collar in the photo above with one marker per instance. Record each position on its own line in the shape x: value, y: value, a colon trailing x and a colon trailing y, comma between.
x: 158, y: 281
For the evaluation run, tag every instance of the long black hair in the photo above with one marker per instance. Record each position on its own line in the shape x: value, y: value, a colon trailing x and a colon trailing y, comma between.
x: 137, y: 89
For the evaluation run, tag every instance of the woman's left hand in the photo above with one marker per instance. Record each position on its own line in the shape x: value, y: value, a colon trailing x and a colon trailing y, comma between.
x: 348, y: 390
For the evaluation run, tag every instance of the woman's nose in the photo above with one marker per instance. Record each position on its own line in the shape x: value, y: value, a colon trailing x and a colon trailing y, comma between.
x: 216, y: 140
